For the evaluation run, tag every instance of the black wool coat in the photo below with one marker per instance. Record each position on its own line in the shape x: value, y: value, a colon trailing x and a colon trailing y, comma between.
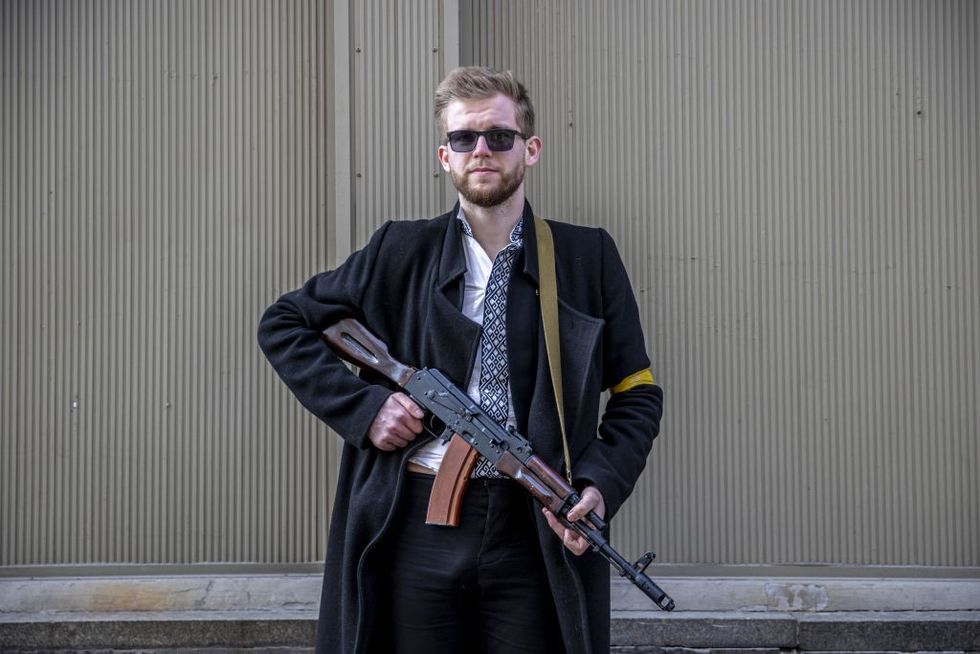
x: 406, y: 285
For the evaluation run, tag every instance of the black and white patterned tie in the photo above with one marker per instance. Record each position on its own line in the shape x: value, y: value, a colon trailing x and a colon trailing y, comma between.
x: 494, y: 371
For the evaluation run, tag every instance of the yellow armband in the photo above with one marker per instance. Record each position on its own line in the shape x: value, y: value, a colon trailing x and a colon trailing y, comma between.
x: 638, y: 378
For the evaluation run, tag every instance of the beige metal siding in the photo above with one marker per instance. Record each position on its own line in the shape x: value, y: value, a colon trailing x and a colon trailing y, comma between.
x: 164, y: 177
x: 793, y: 186
x: 399, y: 56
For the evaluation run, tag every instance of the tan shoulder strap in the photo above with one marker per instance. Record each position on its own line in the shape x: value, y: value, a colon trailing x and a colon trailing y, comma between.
x: 548, y: 290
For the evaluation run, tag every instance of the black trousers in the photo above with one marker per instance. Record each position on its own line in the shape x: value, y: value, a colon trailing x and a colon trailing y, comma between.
x: 478, y: 587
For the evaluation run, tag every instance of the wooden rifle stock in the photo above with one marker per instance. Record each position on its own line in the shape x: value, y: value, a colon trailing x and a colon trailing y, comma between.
x: 354, y: 343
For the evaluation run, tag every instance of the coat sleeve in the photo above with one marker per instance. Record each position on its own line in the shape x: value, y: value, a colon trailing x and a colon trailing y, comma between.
x: 289, y: 334
x: 613, y: 461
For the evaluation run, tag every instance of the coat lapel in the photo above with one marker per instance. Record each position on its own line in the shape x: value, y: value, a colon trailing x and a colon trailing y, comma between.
x: 523, y: 324
x: 451, y: 338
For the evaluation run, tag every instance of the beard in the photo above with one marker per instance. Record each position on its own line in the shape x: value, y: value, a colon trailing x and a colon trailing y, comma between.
x: 492, y: 196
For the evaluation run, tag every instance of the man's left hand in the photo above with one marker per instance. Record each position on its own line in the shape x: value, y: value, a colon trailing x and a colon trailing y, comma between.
x: 591, y: 501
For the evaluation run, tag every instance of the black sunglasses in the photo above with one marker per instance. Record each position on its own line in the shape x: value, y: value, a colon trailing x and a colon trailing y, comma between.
x: 498, y: 140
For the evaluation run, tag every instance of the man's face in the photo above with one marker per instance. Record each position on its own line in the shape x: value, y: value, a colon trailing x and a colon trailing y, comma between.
x: 484, y: 177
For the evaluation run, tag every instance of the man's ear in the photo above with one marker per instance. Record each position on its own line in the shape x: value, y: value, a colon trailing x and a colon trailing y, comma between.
x: 532, y: 150
x: 443, y: 155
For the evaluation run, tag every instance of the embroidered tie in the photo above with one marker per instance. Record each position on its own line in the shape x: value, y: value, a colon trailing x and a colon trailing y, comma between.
x: 494, y: 371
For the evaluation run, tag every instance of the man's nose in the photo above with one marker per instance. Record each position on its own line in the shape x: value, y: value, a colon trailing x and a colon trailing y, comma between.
x: 482, y: 149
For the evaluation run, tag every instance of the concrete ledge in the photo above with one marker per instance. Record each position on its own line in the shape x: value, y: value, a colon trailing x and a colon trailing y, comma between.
x: 867, y: 631
x: 632, y: 631
x: 805, y: 594
x: 302, y: 591
x: 747, y: 615
x: 704, y: 630
x: 901, y: 631
x: 167, y: 593
x: 148, y: 630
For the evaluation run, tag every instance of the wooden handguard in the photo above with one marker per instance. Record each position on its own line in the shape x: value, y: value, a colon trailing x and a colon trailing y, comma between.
x: 446, y: 498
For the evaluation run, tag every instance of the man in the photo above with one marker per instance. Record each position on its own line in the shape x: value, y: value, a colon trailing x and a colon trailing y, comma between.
x: 460, y: 293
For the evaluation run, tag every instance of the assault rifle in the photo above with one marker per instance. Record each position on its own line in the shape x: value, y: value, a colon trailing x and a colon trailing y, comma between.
x: 509, y: 452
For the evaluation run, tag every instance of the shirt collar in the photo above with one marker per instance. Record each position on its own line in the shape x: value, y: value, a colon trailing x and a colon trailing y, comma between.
x: 516, y: 234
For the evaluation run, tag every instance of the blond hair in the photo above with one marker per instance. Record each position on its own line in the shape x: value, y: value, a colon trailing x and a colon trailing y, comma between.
x: 479, y: 83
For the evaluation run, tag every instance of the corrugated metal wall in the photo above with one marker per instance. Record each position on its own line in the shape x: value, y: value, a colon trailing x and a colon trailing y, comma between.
x: 792, y: 185
x: 794, y: 188
x: 165, y: 176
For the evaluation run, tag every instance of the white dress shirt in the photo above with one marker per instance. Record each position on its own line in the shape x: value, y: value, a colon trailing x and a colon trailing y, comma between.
x: 478, y: 267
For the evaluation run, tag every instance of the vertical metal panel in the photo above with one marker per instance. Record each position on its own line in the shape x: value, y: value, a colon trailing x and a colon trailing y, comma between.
x: 163, y: 179
x: 388, y: 59
x: 398, y: 60
x: 793, y: 188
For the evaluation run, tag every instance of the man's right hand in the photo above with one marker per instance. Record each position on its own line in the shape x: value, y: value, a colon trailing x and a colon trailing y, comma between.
x: 397, y: 424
